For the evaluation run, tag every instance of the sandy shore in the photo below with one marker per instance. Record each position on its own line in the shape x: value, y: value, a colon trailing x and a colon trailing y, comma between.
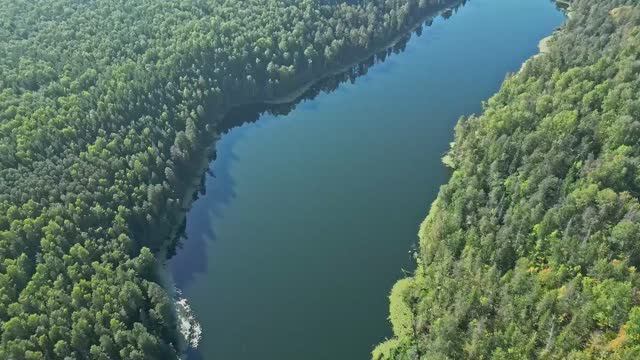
x: 543, y: 48
x: 543, y: 45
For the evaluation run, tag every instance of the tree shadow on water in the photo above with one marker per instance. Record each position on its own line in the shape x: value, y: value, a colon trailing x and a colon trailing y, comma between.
x: 217, y: 187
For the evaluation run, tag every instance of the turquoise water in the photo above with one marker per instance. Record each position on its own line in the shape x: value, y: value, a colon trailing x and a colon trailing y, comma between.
x: 308, y: 218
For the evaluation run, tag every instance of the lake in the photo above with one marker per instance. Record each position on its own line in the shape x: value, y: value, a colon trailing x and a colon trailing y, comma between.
x: 308, y: 218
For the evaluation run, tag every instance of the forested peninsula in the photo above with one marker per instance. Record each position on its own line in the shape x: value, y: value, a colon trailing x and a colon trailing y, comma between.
x: 105, y: 109
x: 531, y: 250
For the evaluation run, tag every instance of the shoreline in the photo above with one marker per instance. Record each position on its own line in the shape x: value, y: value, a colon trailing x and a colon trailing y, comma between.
x: 543, y: 44
x: 287, y: 98
x: 543, y: 48
x: 188, y: 320
x: 299, y: 91
x: 302, y: 89
x: 388, y: 344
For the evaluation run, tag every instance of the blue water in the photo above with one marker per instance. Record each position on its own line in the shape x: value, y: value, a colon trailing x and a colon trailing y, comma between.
x: 308, y: 218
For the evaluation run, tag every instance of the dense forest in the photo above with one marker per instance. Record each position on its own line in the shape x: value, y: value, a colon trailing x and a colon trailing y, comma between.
x: 531, y: 250
x: 105, y: 109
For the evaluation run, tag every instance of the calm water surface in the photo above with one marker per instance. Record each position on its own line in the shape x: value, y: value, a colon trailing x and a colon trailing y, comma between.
x: 308, y: 218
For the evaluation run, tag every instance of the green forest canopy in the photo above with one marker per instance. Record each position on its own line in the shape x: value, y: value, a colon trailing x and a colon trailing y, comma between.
x: 104, y: 108
x: 531, y: 250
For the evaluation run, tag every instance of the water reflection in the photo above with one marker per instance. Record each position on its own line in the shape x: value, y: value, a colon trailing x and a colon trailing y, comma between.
x: 304, y: 221
x: 216, y: 187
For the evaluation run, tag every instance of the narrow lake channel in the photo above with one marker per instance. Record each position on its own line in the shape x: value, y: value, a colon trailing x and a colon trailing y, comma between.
x: 308, y: 218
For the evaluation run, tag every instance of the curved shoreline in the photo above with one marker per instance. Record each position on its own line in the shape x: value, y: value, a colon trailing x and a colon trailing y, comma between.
x: 204, y: 158
x: 543, y: 48
x: 288, y: 98
x: 298, y: 92
x: 291, y: 97
x: 543, y: 44
x: 397, y: 303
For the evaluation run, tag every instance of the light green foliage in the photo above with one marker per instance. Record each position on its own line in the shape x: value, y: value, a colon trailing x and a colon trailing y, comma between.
x: 385, y: 350
x: 400, y: 312
x: 530, y: 251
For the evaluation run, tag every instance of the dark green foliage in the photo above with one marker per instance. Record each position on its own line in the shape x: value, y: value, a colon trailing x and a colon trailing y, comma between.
x: 106, y: 108
x: 530, y: 251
